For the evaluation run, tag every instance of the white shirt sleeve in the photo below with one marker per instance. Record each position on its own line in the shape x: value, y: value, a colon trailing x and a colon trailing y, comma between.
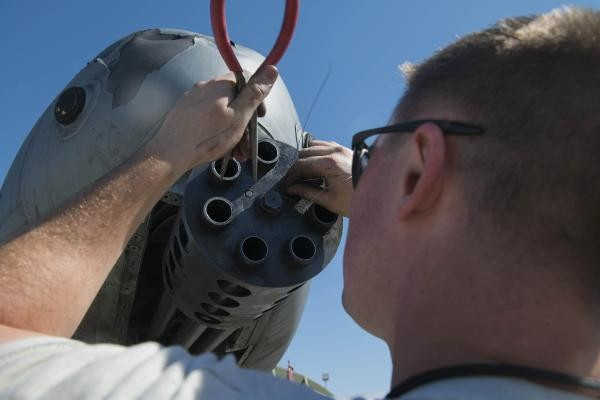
x: 56, y: 368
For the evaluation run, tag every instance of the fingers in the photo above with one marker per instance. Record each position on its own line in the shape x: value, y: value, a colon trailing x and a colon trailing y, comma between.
x: 244, y: 104
x: 255, y: 91
x: 309, y: 168
x: 313, y: 151
x: 317, y: 142
x: 331, y: 200
x: 261, y: 111
x: 243, y: 150
x: 309, y: 192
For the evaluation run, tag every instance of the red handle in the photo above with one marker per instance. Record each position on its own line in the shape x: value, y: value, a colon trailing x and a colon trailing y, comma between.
x: 219, y: 26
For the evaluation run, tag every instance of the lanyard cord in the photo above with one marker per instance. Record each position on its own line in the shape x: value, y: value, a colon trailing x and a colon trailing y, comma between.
x: 505, y: 370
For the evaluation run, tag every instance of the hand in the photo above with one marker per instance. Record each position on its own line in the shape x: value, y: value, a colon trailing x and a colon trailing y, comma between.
x: 209, y: 120
x: 323, y: 160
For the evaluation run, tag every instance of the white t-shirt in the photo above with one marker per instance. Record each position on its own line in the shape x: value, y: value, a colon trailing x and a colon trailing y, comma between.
x: 56, y: 368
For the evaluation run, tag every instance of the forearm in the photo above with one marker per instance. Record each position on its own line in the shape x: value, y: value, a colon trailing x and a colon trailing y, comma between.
x: 50, y: 274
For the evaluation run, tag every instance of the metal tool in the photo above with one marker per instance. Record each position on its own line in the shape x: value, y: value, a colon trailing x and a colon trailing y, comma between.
x: 219, y: 26
x: 240, y: 82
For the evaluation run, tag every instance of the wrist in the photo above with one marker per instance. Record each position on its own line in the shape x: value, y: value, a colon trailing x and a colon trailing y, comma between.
x: 164, y: 156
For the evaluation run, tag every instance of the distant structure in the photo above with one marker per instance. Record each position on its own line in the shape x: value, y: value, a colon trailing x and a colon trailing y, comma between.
x: 325, y: 378
x: 290, y: 372
x: 290, y: 375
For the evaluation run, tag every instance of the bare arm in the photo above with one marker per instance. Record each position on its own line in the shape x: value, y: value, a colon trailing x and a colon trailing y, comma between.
x: 50, y: 274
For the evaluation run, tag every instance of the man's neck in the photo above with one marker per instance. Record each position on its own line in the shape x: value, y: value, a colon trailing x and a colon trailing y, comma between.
x: 553, y: 333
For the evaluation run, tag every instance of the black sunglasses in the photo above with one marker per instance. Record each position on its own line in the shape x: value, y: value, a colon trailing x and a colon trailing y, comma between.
x: 361, y: 149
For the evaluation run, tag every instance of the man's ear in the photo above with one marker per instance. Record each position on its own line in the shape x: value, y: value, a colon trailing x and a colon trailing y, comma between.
x: 422, y: 181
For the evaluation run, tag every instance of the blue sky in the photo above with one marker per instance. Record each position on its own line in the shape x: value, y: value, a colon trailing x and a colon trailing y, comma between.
x: 44, y: 44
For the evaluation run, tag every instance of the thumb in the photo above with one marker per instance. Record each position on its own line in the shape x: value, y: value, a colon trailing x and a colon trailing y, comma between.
x: 255, y: 91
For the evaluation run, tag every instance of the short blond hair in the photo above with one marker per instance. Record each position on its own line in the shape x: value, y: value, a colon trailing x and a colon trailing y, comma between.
x: 533, y: 83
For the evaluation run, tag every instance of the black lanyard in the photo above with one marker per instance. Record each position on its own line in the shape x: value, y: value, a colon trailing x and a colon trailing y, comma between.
x: 505, y: 370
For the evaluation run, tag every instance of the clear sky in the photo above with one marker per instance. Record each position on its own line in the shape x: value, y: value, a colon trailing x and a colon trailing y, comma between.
x: 45, y: 43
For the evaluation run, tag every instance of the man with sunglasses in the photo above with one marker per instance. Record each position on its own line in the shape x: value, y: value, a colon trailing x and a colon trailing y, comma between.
x: 473, y: 247
x: 472, y: 250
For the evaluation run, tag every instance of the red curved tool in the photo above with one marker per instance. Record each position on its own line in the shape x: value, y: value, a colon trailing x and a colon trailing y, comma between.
x: 219, y: 26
